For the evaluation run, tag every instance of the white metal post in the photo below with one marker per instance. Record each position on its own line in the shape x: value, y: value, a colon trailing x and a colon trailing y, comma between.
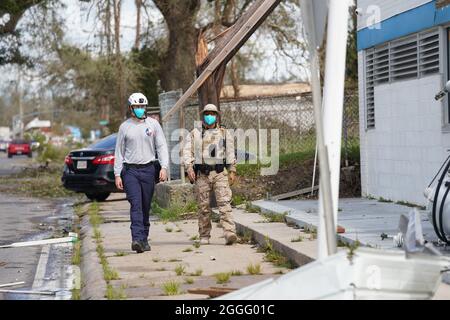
x: 333, y: 98
x: 327, y: 233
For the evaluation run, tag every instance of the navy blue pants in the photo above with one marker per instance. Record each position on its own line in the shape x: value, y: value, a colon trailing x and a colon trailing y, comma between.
x: 139, y: 184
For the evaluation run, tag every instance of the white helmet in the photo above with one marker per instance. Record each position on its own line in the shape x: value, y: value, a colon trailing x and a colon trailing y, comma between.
x: 137, y: 99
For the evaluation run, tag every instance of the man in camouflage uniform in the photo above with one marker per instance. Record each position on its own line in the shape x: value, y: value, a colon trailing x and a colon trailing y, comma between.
x: 210, y: 163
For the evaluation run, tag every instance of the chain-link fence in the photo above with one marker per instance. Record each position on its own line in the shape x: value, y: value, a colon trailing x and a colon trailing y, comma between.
x: 292, y: 115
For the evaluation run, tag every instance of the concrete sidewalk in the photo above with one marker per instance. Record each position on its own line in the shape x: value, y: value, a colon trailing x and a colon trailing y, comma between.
x: 364, y: 220
x: 142, y: 276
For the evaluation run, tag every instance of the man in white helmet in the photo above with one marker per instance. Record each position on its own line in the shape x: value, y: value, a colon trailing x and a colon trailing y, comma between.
x: 140, y: 145
x: 210, y: 163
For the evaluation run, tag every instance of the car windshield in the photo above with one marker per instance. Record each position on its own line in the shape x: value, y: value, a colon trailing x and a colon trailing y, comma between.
x: 106, y: 143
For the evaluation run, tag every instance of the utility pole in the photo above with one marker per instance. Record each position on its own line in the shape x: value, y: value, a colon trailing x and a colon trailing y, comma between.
x: 19, y: 102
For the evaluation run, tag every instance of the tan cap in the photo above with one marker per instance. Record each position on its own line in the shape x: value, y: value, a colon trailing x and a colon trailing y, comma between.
x: 211, y: 108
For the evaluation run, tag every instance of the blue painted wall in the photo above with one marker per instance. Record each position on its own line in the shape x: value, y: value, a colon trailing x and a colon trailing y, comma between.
x: 412, y: 21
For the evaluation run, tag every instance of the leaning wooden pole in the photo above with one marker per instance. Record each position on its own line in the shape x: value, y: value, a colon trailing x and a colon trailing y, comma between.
x: 235, y: 39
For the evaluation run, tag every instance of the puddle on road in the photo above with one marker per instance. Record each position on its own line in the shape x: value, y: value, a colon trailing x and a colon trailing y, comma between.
x: 59, y: 272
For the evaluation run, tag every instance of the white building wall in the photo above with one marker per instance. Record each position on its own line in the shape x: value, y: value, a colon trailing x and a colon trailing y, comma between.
x: 406, y: 149
x: 385, y: 8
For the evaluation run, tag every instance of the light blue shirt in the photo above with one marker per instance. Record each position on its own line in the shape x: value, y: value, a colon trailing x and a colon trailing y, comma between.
x: 138, y: 142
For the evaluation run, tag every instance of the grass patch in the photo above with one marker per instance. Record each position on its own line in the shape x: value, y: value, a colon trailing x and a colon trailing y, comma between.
x: 237, y: 200
x: 168, y: 229
x: 175, y: 260
x: 236, y: 273
x: 223, y: 277
x: 189, y: 280
x: 249, y: 207
x: 352, y: 248
x: 97, y: 235
x: 188, y: 250
x: 383, y: 200
x: 273, y: 256
x: 37, y: 182
x: 155, y: 259
x: 121, y: 254
x: 161, y: 269
x: 108, y: 272
x: 286, y: 160
x: 275, y: 217
x: 171, y: 288
x: 180, y: 270
x: 76, y: 256
x: 115, y: 294
x: 312, y: 233
x: 94, y: 217
x: 79, y: 210
x: 194, y: 238
x: 298, y: 239
x: 410, y: 205
x: 76, y: 294
x: 174, y: 213
x: 197, y: 273
x: 196, y: 244
x: 254, y: 269
x: 246, y: 237
x: 178, y: 230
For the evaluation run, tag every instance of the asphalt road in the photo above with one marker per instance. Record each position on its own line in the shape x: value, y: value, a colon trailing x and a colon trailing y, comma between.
x: 14, y: 165
x: 26, y: 219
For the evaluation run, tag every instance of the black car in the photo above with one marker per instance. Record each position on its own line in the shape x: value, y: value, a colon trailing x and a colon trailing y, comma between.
x: 91, y: 170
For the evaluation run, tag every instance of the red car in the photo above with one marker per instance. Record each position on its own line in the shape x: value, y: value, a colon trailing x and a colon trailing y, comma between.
x: 19, y: 147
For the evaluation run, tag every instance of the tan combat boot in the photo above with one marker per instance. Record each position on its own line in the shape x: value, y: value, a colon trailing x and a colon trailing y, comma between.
x: 230, y: 238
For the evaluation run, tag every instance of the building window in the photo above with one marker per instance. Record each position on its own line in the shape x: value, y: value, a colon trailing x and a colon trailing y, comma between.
x: 429, y: 53
x: 403, y: 59
x: 370, y: 89
x: 406, y: 58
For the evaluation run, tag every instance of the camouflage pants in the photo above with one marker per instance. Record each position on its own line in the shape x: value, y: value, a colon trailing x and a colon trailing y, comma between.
x: 219, y: 183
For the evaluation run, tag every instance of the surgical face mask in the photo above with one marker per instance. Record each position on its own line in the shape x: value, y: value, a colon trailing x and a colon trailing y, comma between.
x: 210, y: 119
x: 139, y: 112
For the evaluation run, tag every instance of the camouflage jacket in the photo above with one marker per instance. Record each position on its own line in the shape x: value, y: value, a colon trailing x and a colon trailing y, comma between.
x: 212, y: 146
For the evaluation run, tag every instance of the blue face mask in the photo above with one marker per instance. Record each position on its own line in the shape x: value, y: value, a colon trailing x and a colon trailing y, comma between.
x: 210, y: 119
x: 139, y: 112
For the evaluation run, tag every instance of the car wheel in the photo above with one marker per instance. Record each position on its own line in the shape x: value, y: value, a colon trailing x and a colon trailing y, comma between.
x: 98, y: 196
x: 9, y: 155
x: 30, y: 155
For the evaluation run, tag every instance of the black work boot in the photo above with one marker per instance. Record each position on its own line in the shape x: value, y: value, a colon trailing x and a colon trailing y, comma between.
x: 146, y: 246
x: 137, y: 246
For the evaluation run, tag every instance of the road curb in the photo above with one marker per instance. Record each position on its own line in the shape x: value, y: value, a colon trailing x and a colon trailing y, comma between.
x: 345, y: 239
x: 91, y: 270
x: 283, y: 246
x: 299, y: 258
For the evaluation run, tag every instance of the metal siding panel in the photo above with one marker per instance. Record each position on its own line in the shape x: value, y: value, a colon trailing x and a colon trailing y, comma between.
x: 388, y: 9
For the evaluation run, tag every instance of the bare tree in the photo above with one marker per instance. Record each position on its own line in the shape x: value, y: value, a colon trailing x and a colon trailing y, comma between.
x: 120, y: 84
x: 178, y: 67
x: 138, y: 23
